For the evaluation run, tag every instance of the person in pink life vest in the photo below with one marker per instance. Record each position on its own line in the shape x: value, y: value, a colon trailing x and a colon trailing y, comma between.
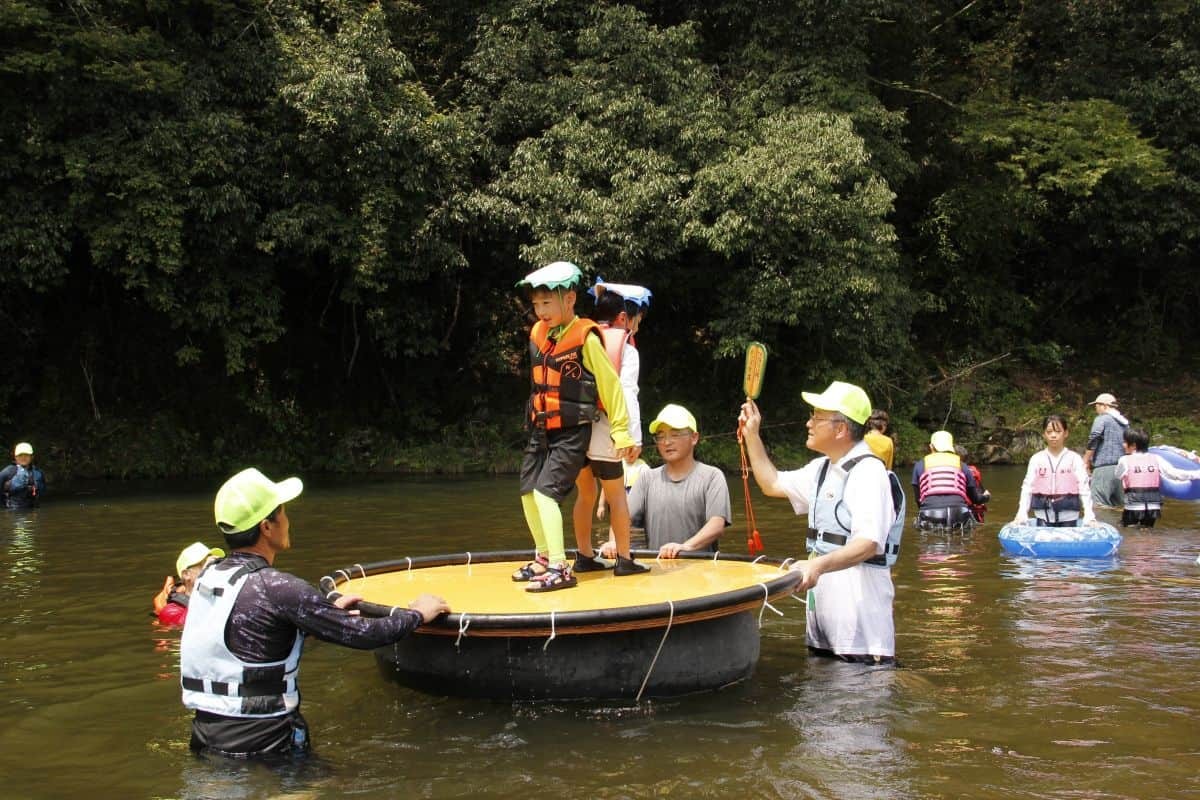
x: 1056, y: 484
x: 1141, y: 473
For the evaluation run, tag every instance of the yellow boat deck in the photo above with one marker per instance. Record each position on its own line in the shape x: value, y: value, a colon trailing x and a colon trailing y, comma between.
x: 488, y: 589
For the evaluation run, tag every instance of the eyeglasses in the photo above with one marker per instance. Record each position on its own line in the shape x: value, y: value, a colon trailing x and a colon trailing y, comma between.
x: 662, y: 437
x: 815, y: 420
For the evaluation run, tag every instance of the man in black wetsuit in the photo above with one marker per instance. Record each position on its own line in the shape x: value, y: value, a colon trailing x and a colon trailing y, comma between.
x: 240, y: 654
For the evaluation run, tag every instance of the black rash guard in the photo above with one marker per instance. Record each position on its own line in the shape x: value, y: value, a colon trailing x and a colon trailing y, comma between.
x: 271, y: 606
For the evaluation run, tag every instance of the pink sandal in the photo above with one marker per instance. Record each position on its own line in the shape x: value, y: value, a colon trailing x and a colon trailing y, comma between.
x: 528, y: 572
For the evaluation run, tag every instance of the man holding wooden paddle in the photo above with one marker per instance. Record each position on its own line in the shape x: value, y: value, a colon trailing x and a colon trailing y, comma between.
x: 855, y: 522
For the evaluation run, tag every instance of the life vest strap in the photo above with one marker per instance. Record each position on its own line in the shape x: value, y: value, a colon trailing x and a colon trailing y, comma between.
x: 840, y: 540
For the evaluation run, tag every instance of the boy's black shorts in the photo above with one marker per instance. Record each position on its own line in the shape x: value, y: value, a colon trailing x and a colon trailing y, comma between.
x: 606, y: 470
x: 553, y: 460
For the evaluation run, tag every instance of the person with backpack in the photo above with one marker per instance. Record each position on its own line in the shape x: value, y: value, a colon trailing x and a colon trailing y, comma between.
x: 855, y: 510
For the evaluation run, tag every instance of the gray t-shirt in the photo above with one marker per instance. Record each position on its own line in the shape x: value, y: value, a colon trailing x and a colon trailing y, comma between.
x: 672, y: 511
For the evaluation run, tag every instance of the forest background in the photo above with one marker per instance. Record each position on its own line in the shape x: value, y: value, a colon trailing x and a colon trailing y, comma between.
x: 287, y: 233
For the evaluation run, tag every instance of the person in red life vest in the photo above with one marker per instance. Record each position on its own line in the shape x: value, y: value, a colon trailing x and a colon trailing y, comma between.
x: 572, y: 379
x: 978, y: 510
x: 945, y: 487
x: 1141, y: 473
x: 619, y: 311
x: 171, y: 603
x: 1056, y: 484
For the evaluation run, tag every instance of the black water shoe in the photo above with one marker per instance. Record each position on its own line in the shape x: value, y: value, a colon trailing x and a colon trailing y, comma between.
x: 627, y: 566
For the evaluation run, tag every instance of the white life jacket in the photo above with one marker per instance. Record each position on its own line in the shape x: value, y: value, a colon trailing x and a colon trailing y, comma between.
x: 829, y: 523
x: 213, y: 678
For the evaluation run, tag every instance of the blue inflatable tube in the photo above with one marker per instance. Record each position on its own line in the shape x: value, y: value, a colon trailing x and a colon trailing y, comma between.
x: 1099, y: 540
x: 1179, y: 490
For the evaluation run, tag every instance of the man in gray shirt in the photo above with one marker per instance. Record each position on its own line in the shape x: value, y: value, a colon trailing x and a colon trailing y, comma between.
x: 684, y: 504
x: 1105, y: 446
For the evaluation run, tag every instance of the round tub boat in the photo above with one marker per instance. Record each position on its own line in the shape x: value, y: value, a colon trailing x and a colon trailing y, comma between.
x: 689, y: 625
x: 1100, y: 540
x: 1178, y: 458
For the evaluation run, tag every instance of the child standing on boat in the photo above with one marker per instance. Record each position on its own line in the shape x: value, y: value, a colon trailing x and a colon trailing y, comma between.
x: 619, y: 311
x: 572, y: 377
x: 1056, y: 483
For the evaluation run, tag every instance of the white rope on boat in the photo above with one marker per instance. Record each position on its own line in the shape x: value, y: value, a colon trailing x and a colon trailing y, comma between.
x: 654, y: 660
x: 785, y: 562
x: 760, y: 558
x: 716, y: 555
x: 343, y: 573
x: 360, y: 569
x: 331, y: 580
x: 553, y: 633
x: 463, y: 624
x: 766, y: 604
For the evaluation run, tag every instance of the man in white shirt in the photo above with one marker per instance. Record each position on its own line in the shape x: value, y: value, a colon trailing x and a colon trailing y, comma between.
x: 854, y: 527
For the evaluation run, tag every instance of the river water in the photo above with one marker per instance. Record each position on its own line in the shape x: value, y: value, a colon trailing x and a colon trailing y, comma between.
x: 1019, y: 679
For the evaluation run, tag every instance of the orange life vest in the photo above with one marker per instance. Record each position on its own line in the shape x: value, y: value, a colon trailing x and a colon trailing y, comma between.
x: 564, y: 392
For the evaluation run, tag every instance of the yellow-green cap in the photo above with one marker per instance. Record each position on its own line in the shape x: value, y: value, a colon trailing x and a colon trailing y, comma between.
x: 845, y: 398
x: 559, y: 275
x: 674, y: 416
x: 23, y: 449
x: 942, y: 442
x: 193, y: 554
x: 247, y: 498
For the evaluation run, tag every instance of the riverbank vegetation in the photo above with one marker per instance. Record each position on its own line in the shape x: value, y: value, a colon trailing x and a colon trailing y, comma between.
x: 287, y: 233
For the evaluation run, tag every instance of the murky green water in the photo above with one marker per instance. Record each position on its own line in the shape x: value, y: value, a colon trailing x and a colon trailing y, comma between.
x: 1020, y: 678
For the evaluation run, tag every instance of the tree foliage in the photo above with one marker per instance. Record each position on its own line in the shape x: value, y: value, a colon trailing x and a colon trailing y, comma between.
x: 271, y: 224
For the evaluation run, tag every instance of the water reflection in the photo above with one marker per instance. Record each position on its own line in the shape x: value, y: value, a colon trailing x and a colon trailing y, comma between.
x: 22, y: 562
x: 1020, y: 677
x: 844, y: 714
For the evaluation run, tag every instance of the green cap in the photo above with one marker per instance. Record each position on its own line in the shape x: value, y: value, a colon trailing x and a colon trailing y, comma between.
x: 559, y: 275
x: 845, y: 398
x: 674, y: 416
x: 194, y: 554
x: 247, y: 498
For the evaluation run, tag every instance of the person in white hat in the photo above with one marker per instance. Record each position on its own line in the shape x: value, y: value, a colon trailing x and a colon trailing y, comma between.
x: 945, y: 487
x: 22, y: 483
x: 1105, y: 446
x: 855, y: 513
x: 239, y: 658
x: 171, y: 602
x: 618, y: 312
x: 683, y: 504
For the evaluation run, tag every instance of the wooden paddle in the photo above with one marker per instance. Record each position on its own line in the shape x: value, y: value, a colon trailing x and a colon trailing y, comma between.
x: 752, y: 381
x: 756, y: 370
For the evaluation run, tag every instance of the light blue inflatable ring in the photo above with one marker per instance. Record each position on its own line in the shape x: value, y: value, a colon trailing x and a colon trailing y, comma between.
x: 1178, y: 490
x: 1099, y: 540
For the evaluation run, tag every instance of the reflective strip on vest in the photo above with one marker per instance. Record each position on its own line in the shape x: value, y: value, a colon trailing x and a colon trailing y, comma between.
x: 213, y: 678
